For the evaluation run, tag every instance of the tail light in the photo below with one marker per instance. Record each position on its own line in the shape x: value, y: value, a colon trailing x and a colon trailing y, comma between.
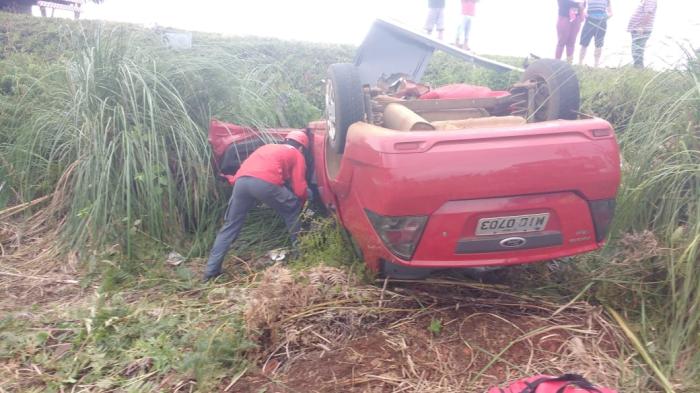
x: 602, y: 212
x: 399, y: 234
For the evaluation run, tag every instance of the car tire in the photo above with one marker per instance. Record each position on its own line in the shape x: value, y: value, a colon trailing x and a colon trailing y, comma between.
x: 557, y: 95
x: 344, y: 103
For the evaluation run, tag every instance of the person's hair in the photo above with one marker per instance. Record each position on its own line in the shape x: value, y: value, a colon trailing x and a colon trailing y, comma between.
x: 293, y: 143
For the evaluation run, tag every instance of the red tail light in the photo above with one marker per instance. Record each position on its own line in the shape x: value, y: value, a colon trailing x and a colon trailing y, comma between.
x: 602, y: 212
x: 399, y: 234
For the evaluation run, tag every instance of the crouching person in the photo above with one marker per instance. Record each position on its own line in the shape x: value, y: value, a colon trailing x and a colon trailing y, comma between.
x: 262, y: 177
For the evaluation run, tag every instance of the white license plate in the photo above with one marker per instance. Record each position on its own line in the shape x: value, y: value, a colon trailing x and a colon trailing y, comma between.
x: 512, y: 224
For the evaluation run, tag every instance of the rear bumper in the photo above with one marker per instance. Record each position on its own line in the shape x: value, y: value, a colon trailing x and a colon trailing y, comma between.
x: 449, y: 239
x: 543, y: 255
x: 377, y: 255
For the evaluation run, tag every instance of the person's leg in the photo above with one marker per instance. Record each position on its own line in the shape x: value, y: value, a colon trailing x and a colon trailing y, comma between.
x: 643, y: 39
x: 460, y: 30
x: 562, y: 35
x: 586, y: 36
x: 467, y: 30
x: 635, y: 51
x: 283, y: 201
x: 600, y: 32
x: 240, y: 202
x: 639, y: 41
x: 430, y: 21
x: 597, y: 54
x: 440, y: 23
x: 574, y: 29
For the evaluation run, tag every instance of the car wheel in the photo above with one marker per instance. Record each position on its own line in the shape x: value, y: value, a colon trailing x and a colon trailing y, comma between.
x: 557, y: 95
x: 344, y: 102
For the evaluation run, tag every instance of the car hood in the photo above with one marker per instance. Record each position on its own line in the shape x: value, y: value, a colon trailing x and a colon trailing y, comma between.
x: 391, y: 48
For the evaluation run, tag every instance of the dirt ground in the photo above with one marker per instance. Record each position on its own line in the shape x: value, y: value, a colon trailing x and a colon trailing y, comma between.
x: 323, y: 331
x: 462, y: 339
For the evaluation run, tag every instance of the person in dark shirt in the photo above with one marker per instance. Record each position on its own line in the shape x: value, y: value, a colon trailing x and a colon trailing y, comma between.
x: 568, y: 27
x: 436, y: 17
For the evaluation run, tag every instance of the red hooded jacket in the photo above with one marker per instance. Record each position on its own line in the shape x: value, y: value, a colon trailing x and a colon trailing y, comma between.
x: 277, y: 164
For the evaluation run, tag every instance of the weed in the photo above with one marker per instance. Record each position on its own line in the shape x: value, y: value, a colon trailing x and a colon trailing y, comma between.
x: 435, y: 327
x: 326, y: 242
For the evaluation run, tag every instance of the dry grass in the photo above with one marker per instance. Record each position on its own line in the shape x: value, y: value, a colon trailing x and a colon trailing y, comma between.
x: 33, y: 270
x: 319, y: 329
x: 333, y: 333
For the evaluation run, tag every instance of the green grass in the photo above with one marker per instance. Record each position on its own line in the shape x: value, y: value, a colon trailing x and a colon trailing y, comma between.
x: 118, y: 132
x: 654, y: 276
x: 114, y: 342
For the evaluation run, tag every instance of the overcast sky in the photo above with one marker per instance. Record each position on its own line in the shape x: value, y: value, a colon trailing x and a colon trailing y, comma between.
x: 507, y: 27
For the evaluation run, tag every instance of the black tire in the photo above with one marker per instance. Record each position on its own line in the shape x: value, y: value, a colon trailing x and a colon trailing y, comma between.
x: 344, y: 103
x: 557, y: 95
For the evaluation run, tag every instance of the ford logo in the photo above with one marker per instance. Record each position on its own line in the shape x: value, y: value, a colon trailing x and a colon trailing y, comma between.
x: 513, y: 242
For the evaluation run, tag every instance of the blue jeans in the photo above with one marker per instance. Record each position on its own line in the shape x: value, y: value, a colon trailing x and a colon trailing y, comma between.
x: 246, y: 192
x: 639, y: 43
x: 464, y: 28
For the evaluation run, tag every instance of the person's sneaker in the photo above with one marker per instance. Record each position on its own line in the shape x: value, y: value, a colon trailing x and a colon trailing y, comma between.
x: 210, y: 277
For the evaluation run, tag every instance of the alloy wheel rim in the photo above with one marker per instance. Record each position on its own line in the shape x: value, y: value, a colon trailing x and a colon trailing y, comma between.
x: 330, y: 111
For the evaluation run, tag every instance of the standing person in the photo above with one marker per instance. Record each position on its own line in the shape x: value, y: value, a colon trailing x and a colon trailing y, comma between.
x: 436, y: 17
x: 568, y: 26
x: 262, y: 177
x: 597, y: 14
x: 640, y: 26
x: 465, y: 25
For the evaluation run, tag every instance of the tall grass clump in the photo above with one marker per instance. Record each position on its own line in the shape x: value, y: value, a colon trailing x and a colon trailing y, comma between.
x: 115, y: 138
x: 117, y: 133
x: 654, y: 274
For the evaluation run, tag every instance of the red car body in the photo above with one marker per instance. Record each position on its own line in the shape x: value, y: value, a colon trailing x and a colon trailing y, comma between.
x: 567, y: 169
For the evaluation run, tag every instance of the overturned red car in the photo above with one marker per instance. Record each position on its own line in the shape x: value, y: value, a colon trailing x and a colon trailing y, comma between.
x: 455, y: 177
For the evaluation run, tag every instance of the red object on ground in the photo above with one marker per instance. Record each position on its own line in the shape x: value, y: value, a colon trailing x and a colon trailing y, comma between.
x: 567, y: 383
x: 277, y: 164
x: 462, y: 91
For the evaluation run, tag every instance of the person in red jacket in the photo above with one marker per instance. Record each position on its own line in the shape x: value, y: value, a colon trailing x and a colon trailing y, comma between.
x: 274, y: 174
